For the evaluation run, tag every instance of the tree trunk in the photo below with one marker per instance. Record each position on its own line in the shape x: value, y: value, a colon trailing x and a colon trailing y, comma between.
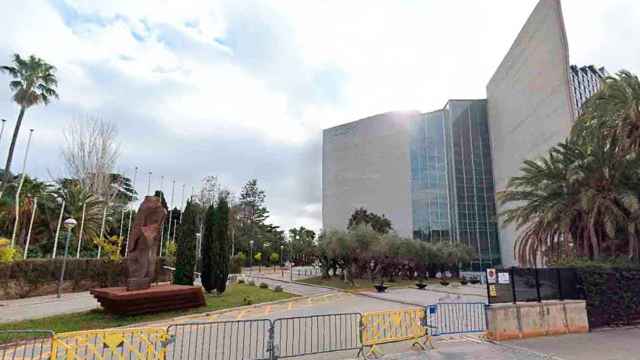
x: 14, y: 139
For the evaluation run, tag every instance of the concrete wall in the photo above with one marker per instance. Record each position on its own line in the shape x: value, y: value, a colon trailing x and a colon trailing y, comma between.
x: 523, y: 320
x: 366, y: 163
x: 529, y: 101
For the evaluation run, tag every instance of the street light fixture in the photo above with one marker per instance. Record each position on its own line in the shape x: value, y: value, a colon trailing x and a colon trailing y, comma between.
x: 69, y: 224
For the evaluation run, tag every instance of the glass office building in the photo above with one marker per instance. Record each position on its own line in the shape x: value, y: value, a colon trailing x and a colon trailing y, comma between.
x: 452, y: 190
x: 429, y: 180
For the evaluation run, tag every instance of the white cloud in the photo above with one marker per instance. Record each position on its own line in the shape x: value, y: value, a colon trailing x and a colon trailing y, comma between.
x: 241, y: 77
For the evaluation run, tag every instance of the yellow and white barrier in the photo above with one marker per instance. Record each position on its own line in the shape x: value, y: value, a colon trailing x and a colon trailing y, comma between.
x: 383, y: 327
x: 134, y: 343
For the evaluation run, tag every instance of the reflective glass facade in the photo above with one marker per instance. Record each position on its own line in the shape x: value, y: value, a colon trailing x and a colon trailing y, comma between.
x: 429, y: 181
x: 452, y: 189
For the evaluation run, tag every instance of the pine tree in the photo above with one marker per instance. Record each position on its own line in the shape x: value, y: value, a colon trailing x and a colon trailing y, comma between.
x: 186, y: 247
x: 221, y: 246
x: 208, y: 258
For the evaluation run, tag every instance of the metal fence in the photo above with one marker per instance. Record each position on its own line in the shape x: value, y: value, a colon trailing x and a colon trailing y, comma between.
x: 221, y: 340
x: 533, y: 284
x: 260, y: 339
x: 27, y: 344
x: 307, y: 335
x: 456, y: 318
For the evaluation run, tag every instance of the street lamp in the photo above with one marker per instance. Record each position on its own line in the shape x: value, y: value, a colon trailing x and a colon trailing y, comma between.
x: 251, y: 255
x: 69, y: 224
x: 281, y: 252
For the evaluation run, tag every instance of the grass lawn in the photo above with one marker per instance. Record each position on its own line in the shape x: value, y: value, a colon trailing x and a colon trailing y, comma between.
x: 360, y: 284
x: 98, y: 319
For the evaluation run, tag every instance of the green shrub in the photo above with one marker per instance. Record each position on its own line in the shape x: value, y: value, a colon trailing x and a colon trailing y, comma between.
x: 236, y: 264
x: 612, y: 295
x: 247, y: 301
x: 264, y: 286
x: 278, y: 288
x: 252, y: 283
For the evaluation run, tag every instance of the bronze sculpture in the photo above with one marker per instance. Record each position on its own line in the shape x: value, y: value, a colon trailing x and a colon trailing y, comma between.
x: 143, y: 245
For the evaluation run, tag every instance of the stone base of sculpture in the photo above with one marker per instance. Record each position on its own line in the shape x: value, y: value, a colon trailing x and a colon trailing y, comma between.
x: 119, y: 300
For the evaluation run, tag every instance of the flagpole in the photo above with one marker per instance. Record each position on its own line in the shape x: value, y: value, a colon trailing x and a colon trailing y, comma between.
x: 84, y: 209
x: 133, y: 188
x: 33, y: 216
x: 149, y: 183
x: 55, y: 241
x: 24, y: 165
x: 104, y: 218
x: 182, y: 205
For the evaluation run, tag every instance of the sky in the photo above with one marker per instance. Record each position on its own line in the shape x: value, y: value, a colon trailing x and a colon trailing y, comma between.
x: 242, y: 89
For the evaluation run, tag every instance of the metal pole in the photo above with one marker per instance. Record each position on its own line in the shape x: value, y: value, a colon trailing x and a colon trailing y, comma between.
x: 173, y: 187
x: 161, y: 239
x: 55, y: 241
x: 64, y: 263
x: 149, y: 184
x: 2, y: 128
x: 182, y: 205
x: 33, y: 216
x: 122, y: 222
x: 126, y: 246
x: 104, y: 218
x: 69, y: 224
x: 24, y: 165
x: 174, y: 231
x: 84, y: 209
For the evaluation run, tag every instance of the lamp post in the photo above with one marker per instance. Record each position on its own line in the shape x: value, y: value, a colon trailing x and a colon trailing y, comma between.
x: 68, y: 224
x: 251, y: 255
x: 281, y: 252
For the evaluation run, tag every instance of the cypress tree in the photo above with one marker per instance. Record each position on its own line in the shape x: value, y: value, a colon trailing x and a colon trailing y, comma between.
x: 208, y: 259
x: 186, y: 247
x: 221, y: 246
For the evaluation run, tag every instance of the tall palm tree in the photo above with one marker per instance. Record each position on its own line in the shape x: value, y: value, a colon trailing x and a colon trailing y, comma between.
x: 33, y: 83
x: 582, y: 199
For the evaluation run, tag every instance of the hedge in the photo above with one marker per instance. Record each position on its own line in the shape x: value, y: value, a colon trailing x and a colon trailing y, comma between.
x: 612, y: 295
x: 33, y: 277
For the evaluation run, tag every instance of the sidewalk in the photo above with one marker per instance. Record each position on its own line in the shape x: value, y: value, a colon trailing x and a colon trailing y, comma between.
x: 44, y: 306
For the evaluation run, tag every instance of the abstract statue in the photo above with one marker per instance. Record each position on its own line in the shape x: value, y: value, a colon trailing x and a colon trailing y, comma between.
x: 143, y: 246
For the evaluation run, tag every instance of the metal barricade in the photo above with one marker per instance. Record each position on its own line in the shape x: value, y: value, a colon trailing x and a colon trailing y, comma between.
x: 125, y: 343
x: 221, y: 340
x: 456, y: 318
x: 25, y: 344
x: 307, y: 335
x: 383, y: 327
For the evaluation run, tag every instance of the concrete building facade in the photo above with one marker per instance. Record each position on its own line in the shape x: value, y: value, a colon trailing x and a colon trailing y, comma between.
x: 365, y: 163
x: 529, y: 101
x: 436, y: 175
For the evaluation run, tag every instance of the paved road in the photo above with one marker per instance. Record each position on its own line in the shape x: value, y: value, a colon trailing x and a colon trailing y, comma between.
x: 43, y: 306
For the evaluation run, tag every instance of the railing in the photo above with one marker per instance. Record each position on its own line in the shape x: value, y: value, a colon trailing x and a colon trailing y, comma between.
x: 224, y: 340
x: 383, y: 327
x: 30, y: 344
x: 307, y: 335
x: 533, y: 284
x: 260, y: 339
x: 126, y: 343
x: 456, y: 318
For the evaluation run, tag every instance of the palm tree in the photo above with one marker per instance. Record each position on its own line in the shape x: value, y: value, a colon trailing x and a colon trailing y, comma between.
x: 34, y: 83
x: 618, y: 104
x: 582, y: 199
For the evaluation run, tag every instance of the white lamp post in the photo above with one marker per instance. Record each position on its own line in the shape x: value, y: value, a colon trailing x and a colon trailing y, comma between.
x: 69, y: 224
